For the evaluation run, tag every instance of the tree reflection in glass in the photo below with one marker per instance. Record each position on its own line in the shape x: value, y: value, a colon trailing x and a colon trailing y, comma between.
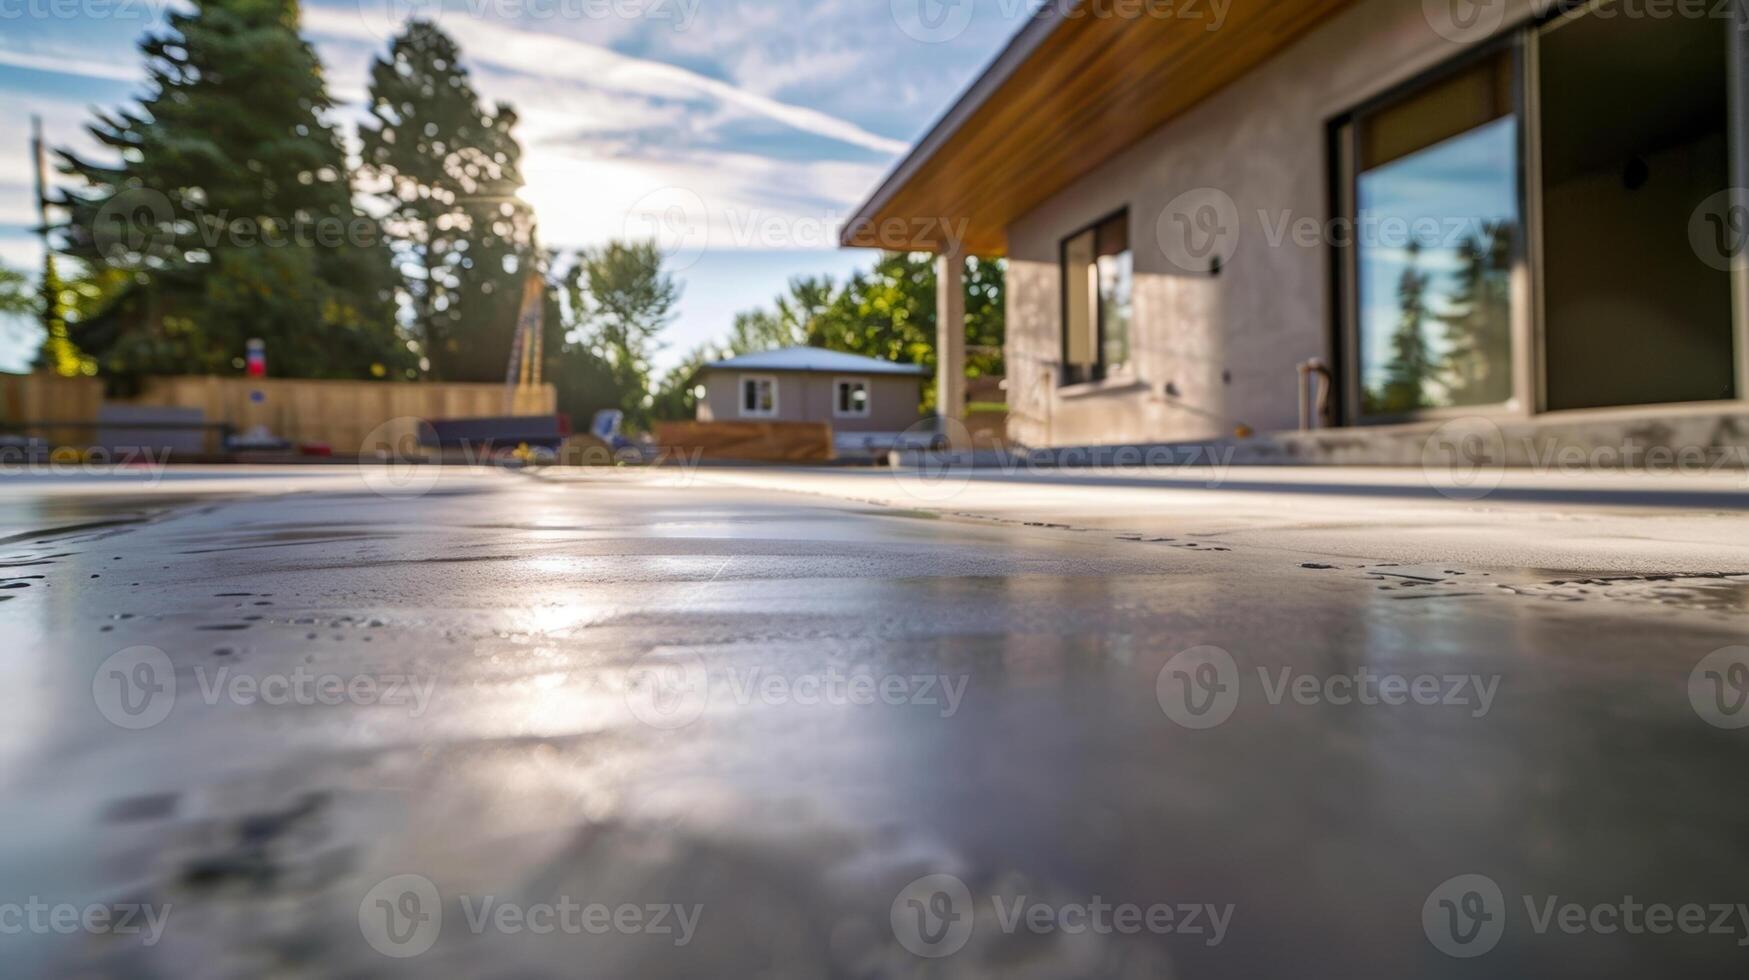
x: 1437, y: 224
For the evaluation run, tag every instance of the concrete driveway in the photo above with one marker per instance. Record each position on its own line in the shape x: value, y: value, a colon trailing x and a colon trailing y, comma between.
x: 795, y: 724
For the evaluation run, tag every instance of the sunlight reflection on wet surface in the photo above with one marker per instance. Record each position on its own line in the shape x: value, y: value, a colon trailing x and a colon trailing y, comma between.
x: 785, y: 710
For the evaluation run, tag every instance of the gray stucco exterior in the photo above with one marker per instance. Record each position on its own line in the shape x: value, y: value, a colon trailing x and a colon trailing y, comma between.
x: 1213, y: 352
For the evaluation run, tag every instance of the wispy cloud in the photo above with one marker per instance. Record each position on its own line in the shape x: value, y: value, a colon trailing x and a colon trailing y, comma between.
x: 60, y: 64
x: 561, y: 59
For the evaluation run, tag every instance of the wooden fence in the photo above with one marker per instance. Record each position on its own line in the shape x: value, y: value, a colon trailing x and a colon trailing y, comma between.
x: 770, y: 442
x: 340, y: 414
x: 45, y: 399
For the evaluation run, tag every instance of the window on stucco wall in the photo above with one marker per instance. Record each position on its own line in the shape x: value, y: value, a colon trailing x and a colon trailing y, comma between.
x: 1098, y: 276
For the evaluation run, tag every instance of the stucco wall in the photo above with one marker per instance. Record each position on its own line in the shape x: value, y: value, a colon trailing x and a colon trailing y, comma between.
x: 807, y: 397
x: 1228, y: 345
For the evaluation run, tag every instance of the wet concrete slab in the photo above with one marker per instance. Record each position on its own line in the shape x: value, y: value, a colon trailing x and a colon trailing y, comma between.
x: 796, y: 725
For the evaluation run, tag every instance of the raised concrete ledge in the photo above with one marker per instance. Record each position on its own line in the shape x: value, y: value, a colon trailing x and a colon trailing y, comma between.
x: 1684, y: 439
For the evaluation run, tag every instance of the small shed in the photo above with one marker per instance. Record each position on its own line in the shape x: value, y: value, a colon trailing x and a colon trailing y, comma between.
x: 852, y: 393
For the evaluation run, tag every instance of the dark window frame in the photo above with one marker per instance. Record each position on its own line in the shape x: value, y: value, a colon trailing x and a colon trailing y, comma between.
x: 1099, y: 371
x: 1342, y: 154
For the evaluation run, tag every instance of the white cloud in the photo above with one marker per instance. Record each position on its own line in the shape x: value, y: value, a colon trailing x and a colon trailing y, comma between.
x: 560, y: 59
x: 63, y: 65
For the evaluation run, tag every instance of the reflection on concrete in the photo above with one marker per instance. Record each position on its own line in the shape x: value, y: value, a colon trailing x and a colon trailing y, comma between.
x: 734, y: 700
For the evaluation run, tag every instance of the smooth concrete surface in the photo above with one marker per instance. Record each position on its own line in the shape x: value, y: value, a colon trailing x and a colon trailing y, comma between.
x: 1029, y: 643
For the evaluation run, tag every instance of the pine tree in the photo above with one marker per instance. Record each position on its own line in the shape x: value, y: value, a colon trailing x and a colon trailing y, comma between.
x: 232, y: 206
x: 448, y: 171
x: 1411, y: 365
x: 1476, y: 363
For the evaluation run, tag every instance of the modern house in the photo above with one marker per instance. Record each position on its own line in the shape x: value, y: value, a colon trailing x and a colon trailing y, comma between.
x: 867, y: 401
x: 1439, y: 208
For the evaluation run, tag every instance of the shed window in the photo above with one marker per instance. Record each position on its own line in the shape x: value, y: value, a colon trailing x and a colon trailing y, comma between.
x: 850, y: 398
x: 758, y: 396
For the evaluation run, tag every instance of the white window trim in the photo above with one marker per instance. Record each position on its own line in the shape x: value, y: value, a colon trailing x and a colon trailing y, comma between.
x: 867, y: 398
x: 741, y: 396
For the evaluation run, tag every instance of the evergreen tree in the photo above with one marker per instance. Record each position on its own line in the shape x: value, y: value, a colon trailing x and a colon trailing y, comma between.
x: 1411, y: 366
x: 448, y: 172
x: 231, y: 204
x: 1476, y: 363
x: 17, y: 298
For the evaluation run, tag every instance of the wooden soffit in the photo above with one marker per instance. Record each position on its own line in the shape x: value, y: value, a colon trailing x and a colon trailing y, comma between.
x: 1071, y: 90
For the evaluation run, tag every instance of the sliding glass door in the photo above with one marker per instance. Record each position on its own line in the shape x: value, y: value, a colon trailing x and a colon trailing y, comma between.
x: 1452, y: 184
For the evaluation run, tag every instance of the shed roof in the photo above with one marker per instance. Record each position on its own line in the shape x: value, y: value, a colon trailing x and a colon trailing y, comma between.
x: 814, y: 359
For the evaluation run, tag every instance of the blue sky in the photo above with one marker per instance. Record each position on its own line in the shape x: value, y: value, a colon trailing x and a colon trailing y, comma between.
x: 764, y: 121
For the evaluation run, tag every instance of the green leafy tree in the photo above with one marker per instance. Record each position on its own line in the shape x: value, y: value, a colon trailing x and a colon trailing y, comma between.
x: 676, y: 398
x: 986, y: 317
x: 620, y: 301
x: 758, y: 330
x: 887, y: 312
x: 58, y: 353
x: 448, y: 171
x: 231, y: 205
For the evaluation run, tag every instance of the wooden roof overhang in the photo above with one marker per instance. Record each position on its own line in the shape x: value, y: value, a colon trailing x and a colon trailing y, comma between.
x: 1071, y: 90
